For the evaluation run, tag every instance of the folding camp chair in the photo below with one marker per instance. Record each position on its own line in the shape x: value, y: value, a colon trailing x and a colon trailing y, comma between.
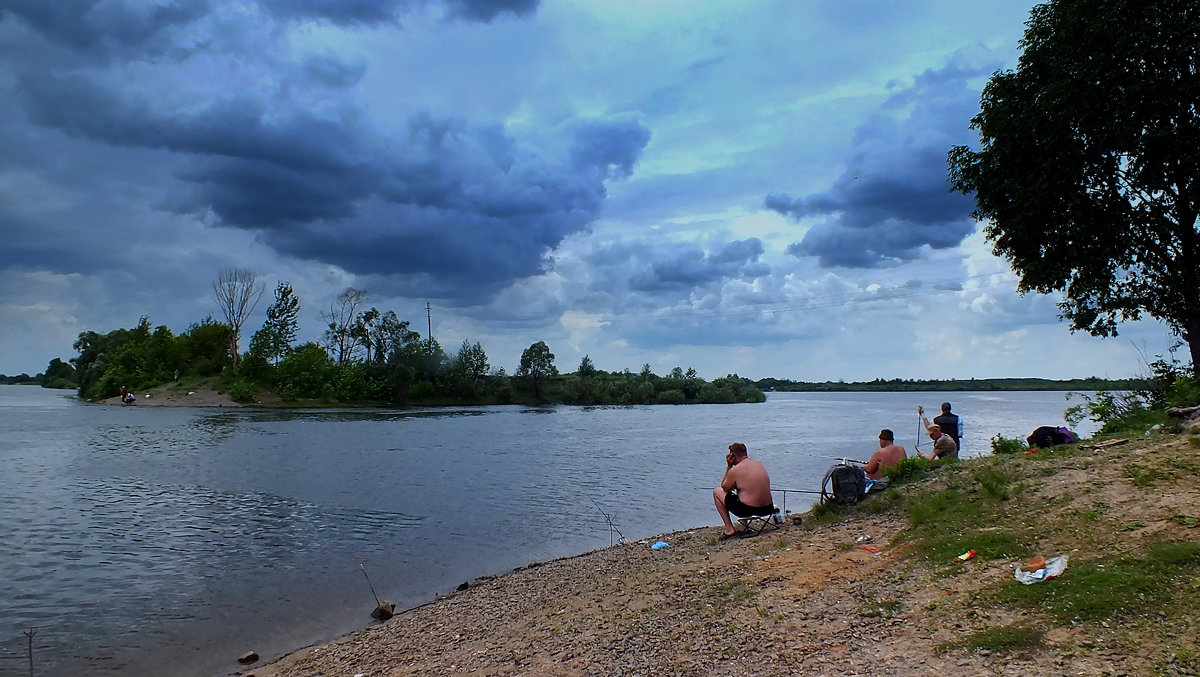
x: 756, y: 524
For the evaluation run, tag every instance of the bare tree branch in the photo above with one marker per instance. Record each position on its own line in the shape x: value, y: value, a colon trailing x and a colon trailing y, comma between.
x: 237, y: 292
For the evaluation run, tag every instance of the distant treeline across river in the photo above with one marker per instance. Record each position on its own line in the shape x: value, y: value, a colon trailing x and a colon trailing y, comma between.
x: 951, y: 385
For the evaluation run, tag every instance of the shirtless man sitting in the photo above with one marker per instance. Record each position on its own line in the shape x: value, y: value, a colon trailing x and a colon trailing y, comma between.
x: 888, y: 454
x: 745, y: 491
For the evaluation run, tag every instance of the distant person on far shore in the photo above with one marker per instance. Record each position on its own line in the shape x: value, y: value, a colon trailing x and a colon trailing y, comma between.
x: 888, y: 455
x: 943, y: 445
x: 948, y: 421
x: 745, y: 490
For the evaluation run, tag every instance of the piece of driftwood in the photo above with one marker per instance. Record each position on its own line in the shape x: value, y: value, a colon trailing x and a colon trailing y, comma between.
x: 1103, y: 445
x: 1188, y: 416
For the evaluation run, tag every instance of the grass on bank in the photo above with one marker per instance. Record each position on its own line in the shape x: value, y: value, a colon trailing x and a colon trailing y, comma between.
x: 1122, y: 577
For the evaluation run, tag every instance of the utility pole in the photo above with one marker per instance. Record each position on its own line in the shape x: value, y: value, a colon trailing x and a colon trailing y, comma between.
x: 429, y: 321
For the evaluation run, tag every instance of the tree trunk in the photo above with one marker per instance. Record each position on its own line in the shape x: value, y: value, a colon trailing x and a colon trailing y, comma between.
x: 1191, y: 334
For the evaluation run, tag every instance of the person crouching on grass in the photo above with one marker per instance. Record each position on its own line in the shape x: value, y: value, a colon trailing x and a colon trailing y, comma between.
x: 745, y: 491
x: 943, y: 445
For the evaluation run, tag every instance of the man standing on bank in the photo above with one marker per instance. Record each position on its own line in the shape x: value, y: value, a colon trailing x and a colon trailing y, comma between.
x: 745, y: 491
x: 948, y: 421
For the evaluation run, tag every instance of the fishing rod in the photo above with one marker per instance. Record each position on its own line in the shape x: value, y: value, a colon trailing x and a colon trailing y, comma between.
x: 793, y: 491
x: 920, y: 425
x: 612, y: 526
x: 783, y: 508
x: 383, y: 610
x: 372, y: 587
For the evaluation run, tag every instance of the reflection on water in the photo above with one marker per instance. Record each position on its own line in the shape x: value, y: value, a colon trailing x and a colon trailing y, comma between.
x: 132, y: 550
x: 341, y: 415
x: 179, y: 538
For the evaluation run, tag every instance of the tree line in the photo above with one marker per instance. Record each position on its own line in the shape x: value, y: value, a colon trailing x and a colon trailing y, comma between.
x: 364, y: 355
x: 1091, y: 384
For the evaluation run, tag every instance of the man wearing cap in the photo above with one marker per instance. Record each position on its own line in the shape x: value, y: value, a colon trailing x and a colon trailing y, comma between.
x: 948, y: 421
x: 943, y: 445
x: 888, y: 455
x: 745, y: 490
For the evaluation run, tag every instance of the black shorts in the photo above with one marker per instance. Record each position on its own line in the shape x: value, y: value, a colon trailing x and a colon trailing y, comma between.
x: 734, y: 505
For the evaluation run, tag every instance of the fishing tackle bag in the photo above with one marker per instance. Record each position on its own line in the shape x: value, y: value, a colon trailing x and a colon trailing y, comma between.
x: 845, y: 484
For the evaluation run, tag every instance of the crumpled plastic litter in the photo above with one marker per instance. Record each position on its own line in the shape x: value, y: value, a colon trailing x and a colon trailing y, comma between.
x: 659, y: 546
x: 1054, y: 567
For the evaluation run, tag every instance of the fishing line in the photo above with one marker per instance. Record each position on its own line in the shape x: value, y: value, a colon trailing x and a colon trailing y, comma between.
x: 372, y: 587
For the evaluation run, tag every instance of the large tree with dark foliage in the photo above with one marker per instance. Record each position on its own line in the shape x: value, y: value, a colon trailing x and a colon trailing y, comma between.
x: 537, y: 363
x: 274, y: 340
x: 1088, y: 173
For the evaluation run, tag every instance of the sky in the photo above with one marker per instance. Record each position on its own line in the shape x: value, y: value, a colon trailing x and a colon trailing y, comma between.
x: 736, y: 187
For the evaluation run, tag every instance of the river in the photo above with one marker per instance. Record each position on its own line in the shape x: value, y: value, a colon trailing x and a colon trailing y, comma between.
x: 155, y: 540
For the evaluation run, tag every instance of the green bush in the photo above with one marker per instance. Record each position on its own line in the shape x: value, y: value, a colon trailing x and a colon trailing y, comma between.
x: 304, y: 374
x: 671, y: 397
x: 242, y: 390
x: 909, y: 470
x: 1005, y: 445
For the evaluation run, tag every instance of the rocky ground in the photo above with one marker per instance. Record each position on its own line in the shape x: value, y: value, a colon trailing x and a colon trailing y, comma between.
x: 796, y: 601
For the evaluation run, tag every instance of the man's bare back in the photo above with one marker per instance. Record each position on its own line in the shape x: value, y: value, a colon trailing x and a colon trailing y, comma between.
x: 745, y: 489
x: 888, y: 454
x: 750, y: 479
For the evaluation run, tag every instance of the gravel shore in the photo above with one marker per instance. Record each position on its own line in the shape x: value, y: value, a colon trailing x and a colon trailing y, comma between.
x: 790, y: 602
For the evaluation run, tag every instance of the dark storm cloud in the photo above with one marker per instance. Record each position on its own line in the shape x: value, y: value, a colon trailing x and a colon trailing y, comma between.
x: 437, y: 204
x: 894, y: 199
x: 352, y: 12
x: 238, y: 127
x: 339, y: 12
x: 487, y: 10
x: 106, y: 28
x: 132, y: 28
x: 686, y: 267
x: 612, y: 146
x: 332, y: 72
x: 463, y: 203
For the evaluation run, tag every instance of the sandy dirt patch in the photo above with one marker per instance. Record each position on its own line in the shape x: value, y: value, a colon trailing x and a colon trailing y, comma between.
x: 176, y: 395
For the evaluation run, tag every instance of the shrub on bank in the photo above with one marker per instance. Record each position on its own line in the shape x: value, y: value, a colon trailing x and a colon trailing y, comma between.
x: 1006, y: 445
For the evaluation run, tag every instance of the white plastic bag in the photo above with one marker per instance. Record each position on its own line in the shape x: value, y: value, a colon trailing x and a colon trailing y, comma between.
x: 1054, y: 567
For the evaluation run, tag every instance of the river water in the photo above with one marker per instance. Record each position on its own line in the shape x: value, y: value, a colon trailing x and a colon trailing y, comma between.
x: 181, y: 538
